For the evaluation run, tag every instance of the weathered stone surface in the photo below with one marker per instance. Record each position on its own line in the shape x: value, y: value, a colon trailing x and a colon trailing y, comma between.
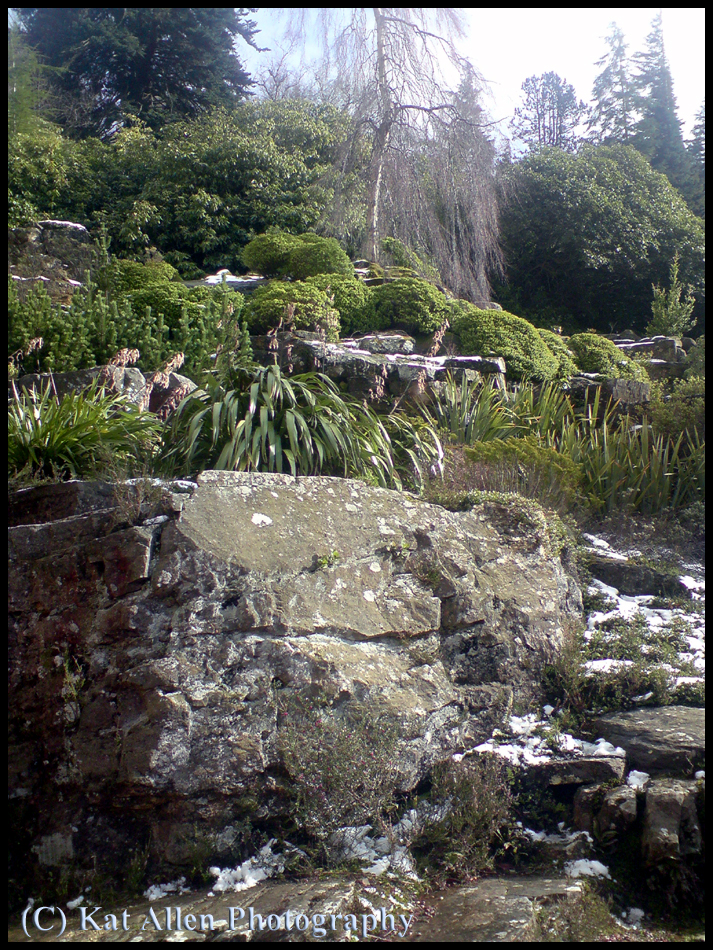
x: 672, y: 831
x: 54, y: 254
x: 618, y: 811
x: 666, y: 739
x: 377, y: 374
x: 632, y: 578
x: 580, y: 770
x: 144, y: 659
x: 627, y: 392
x: 494, y: 910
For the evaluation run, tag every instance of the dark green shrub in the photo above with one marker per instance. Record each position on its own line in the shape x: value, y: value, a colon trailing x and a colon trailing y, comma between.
x: 528, y: 468
x: 410, y: 304
x: 596, y: 354
x: 269, y: 254
x: 557, y: 346
x: 353, y: 300
x: 498, y: 333
x: 297, y: 256
x: 302, y: 304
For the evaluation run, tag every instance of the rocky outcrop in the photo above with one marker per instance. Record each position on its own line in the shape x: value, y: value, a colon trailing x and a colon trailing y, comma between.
x: 55, y: 254
x: 146, y: 653
x: 151, y: 392
x: 667, y: 740
x: 378, y: 366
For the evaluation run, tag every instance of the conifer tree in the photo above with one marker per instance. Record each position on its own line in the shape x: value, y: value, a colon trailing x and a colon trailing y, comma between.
x: 612, y: 117
x: 157, y: 63
x: 696, y: 149
x: 657, y: 134
x: 550, y: 113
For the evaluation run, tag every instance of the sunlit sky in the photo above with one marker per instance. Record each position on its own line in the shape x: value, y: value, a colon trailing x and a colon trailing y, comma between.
x: 508, y: 45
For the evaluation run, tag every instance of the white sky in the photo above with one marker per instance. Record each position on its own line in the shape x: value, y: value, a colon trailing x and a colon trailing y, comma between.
x: 507, y: 46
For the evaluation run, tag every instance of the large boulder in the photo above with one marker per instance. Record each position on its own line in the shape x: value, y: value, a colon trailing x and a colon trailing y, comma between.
x: 146, y: 654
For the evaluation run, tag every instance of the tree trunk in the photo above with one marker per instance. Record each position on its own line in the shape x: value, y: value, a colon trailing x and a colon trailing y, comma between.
x: 381, y: 141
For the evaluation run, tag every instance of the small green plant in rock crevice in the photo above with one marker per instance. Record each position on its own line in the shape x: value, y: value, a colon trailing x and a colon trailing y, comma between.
x: 327, y: 560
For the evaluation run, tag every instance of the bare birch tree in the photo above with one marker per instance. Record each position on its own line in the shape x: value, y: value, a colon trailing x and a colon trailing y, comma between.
x: 385, y: 67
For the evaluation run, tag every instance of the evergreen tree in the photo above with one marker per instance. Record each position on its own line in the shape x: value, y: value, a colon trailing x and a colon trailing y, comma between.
x: 550, y: 113
x: 27, y: 82
x: 657, y: 134
x: 697, y: 153
x: 157, y: 63
x: 612, y: 117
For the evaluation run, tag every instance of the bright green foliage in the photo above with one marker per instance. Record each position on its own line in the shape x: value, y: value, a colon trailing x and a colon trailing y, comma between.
x: 498, y: 333
x: 410, y: 304
x: 683, y: 411
x: 37, y: 176
x: 286, y: 255
x: 317, y: 255
x: 529, y: 468
x: 67, y: 437
x: 353, y: 299
x: 126, y: 276
x: 160, y: 320
x: 696, y: 365
x: 596, y: 354
x: 263, y: 421
x: 269, y: 254
x: 672, y: 316
x: 301, y: 304
x: 590, y: 233
x: 559, y: 349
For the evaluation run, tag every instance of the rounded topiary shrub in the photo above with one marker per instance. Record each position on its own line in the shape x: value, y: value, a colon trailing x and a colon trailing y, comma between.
x: 354, y: 301
x: 269, y: 254
x: 499, y: 333
x: 296, y: 256
x: 410, y: 304
x: 596, y: 354
x: 122, y: 277
x: 301, y: 304
x: 557, y: 346
x: 317, y: 255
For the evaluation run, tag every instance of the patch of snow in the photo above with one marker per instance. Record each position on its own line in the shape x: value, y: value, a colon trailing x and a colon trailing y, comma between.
x: 637, y: 780
x: 263, y: 865
x: 586, y: 868
x: 261, y: 520
x: 157, y: 891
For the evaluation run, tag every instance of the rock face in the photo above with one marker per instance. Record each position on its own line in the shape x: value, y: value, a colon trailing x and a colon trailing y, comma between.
x: 145, y: 658
x: 146, y: 392
x: 57, y: 254
x: 377, y: 366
